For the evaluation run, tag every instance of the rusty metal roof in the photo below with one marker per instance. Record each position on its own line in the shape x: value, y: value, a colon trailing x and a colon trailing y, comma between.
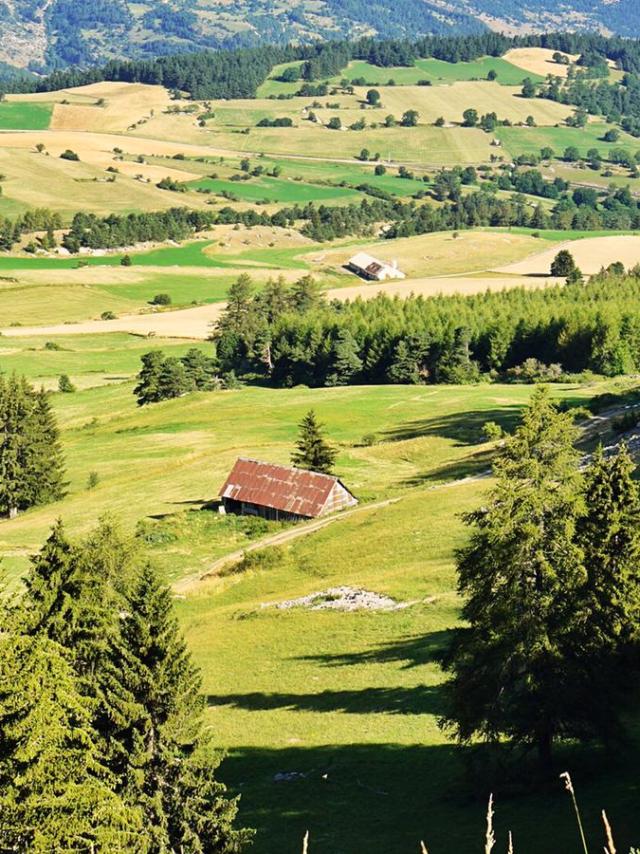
x: 284, y: 488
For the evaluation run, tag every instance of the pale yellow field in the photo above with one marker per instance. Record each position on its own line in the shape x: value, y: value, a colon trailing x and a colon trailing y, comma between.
x: 125, y: 104
x: 538, y: 60
x: 452, y: 100
x: 38, y: 180
x: 438, y: 254
x: 591, y: 254
x: 231, y: 240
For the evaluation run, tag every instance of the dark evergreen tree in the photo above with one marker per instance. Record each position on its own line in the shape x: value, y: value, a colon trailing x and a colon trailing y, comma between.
x: 56, y: 793
x: 31, y: 464
x: 185, y: 807
x: 345, y: 361
x: 148, y: 389
x: 521, y: 576
x: 313, y: 452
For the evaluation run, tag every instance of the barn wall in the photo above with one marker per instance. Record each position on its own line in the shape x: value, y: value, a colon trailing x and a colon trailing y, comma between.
x: 339, y: 499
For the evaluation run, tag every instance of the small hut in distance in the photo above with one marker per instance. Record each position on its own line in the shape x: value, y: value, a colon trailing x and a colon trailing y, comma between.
x: 282, y: 493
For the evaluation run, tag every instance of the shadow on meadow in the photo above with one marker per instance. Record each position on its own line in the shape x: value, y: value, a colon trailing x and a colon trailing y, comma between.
x: 411, y: 651
x: 465, y: 428
x: 420, y: 700
x: 385, y: 798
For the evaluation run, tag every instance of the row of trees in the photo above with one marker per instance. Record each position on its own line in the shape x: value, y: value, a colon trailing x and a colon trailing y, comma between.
x: 31, y: 460
x: 551, y: 582
x: 292, y: 336
x: 102, y: 745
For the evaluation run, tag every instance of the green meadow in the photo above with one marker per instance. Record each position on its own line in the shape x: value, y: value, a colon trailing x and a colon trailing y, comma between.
x: 530, y: 140
x: 282, y: 190
x: 22, y: 115
x: 437, y: 71
x: 347, y: 703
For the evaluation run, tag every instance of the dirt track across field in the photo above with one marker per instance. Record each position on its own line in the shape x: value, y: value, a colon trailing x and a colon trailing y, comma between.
x: 303, y: 529
x: 195, y: 323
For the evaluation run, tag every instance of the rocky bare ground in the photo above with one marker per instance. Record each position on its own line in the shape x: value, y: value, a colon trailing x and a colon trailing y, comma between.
x: 341, y: 599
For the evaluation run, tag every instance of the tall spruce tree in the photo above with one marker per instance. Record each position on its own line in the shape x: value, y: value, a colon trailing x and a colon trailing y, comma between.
x: 313, y: 452
x: 345, y: 362
x: 115, y: 628
x: 31, y: 463
x: 55, y: 792
x: 521, y: 575
x: 609, y: 534
x: 186, y: 808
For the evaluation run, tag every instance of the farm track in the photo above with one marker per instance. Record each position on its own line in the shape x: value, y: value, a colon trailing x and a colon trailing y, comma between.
x: 189, y: 584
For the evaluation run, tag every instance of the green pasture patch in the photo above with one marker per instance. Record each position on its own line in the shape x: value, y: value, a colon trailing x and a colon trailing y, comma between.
x: 273, y: 87
x: 270, y: 189
x: 24, y: 115
x: 437, y: 71
x: 109, y: 357
x: 525, y: 140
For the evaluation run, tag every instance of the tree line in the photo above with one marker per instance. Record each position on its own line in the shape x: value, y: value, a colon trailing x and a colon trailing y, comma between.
x: 238, y: 73
x: 292, y: 335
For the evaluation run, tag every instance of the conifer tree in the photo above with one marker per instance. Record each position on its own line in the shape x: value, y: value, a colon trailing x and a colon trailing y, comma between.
x: 55, y: 793
x: 148, y: 389
x: 313, y: 452
x: 31, y: 463
x: 521, y: 575
x: 609, y: 534
x: 186, y: 808
x: 403, y: 368
x: 345, y: 360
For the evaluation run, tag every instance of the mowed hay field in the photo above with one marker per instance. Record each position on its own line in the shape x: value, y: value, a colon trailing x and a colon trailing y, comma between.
x: 434, y: 70
x: 102, y: 107
x: 451, y: 101
x: 530, y: 140
x: 347, y: 701
x: 38, y: 180
x: 429, y: 145
x: 590, y: 254
x: 538, y: 61
x: 439, y: 254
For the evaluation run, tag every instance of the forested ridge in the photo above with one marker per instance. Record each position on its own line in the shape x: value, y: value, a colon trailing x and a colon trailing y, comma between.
x: 238, y: 73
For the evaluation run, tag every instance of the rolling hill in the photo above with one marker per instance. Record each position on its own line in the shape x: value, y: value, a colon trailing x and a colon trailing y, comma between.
x: 48, y: 34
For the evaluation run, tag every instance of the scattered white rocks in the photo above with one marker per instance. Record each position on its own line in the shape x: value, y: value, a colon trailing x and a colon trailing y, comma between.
x: 341, y: 599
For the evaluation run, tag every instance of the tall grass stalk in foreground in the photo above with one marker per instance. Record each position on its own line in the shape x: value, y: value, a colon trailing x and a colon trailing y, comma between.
x: 569, y: 787
x: 610, y: 847
x: 490, y: 839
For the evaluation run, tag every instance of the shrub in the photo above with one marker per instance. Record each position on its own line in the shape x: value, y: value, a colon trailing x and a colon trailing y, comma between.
x: 492, y: 431
x: 93, y: 480
x: 107, y: 315
x: 161, y: 299
x: 126, y: 261
x: 68, y: 154
x: 65, y: 385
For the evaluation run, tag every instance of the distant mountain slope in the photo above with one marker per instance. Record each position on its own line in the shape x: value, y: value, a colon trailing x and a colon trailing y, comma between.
x: 47, y: 34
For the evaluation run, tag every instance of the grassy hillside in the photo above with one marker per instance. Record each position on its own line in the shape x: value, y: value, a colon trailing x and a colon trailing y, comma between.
x: 347, y: 701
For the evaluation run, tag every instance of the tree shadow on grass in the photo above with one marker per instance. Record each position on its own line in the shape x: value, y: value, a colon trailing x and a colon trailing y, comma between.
x: 384, y: 798
x: 411, y: 651
x: 421, y: 700
x: 464, y: 427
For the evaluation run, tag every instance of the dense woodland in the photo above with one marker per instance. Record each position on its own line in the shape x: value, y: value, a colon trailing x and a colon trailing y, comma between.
x: 291, y: 336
